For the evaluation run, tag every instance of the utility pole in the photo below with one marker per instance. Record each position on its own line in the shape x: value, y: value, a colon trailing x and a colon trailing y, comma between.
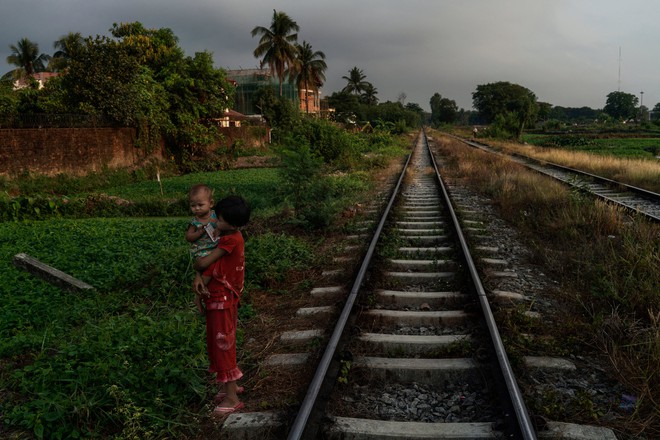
x: 619, y: 81
x: 641, y: 106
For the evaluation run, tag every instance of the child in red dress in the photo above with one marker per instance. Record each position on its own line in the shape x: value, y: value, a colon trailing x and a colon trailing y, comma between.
x: 221, y: 284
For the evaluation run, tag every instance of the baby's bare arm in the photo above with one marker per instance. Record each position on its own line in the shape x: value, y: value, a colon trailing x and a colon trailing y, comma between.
x: 193, y: 233
x: 204, y: 262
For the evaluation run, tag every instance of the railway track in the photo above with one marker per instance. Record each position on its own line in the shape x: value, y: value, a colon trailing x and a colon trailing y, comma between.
x: 632, y: 198
x: 415, y: 352
x: 419, y: 324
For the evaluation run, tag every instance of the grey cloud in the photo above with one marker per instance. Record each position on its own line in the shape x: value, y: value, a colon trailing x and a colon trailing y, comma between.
x: 565, y: 52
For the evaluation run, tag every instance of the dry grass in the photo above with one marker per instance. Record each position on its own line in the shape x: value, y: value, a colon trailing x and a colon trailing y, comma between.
x: 608, y: 261
x: 637, y: 172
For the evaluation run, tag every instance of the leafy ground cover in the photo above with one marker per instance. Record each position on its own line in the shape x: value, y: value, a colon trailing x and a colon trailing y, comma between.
x: 625, y: 147
x: 146, y: 197
x: 128, y: 360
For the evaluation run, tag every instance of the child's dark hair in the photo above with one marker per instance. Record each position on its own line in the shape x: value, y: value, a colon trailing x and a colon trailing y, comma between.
x: 234, y: 210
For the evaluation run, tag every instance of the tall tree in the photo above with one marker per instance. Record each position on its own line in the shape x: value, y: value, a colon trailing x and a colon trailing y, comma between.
x: 309, y: 70
x: 368, y: 95
x: 621, y: 105
x: 506, y: 101
x: 142, y: 78
x: 277, y: 44
x: 544, y: 111
x: 655, y: 113
x: 156, y: 48
x: 66, y: 48
x: 443, y: 110
x: 355, y: 81
x: 25, y: 55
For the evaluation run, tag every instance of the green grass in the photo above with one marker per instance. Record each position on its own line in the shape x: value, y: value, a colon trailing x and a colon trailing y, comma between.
x: 128, y: 359
x: 63, y: 352
x: 244, y: 181
x: 143, y: 198
x: 619, y: 147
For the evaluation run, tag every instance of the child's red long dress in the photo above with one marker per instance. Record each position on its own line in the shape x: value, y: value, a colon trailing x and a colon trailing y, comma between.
x: 225, y: 288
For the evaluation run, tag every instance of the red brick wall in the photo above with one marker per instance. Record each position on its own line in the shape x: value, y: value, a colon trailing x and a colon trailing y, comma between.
x: 68, y: 150
x: 252, y: 136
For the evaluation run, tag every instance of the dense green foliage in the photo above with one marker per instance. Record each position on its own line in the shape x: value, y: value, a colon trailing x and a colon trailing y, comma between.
x: 510, y: 107
x: 621, y: 105
x: 573, y: 114
x: 310, y: 154
x: 282, y: 114
x: 139, y: 78
x: 74, y: 363
x: 351, y: 111
x: 443, y: 110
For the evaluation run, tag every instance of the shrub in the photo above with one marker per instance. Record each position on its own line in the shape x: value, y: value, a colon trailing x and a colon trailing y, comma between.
x: 567, y: 141
x: 272, y: 256
x: 331, y: 143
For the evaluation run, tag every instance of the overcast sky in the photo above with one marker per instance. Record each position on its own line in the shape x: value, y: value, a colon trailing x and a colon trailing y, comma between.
x: 565, y: 51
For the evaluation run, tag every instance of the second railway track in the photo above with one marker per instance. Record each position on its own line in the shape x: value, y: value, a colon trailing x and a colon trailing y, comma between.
x: 630, y: 197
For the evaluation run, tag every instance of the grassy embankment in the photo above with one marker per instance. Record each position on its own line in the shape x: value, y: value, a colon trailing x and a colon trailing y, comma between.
x: 608, y: 261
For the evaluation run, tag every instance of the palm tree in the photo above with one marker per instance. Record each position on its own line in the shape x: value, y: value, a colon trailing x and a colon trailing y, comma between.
x: 25, y: 55
x: 277, y: 44
x: 356, y: 83
x: 66, y: 48
x: 309, y: 70
x: 368, y: 95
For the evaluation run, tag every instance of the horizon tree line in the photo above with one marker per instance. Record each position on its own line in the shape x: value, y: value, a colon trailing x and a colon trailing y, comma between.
x: 280, y: 51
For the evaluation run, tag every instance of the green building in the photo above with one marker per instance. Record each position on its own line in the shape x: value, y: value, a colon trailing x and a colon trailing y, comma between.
x: 250, y: 81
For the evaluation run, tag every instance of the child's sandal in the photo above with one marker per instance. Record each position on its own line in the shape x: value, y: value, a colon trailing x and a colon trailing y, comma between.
x: 221, y: 394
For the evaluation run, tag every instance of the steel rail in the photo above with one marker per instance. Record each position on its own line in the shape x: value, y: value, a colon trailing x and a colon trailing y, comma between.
x: 300, y: 423
x: 643, y: 193
x: 524, y: 425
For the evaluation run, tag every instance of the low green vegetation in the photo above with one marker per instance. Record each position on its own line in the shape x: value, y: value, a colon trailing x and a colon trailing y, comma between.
x: 128, y: 360
x: 141, y: 197
x: 630, y: 147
